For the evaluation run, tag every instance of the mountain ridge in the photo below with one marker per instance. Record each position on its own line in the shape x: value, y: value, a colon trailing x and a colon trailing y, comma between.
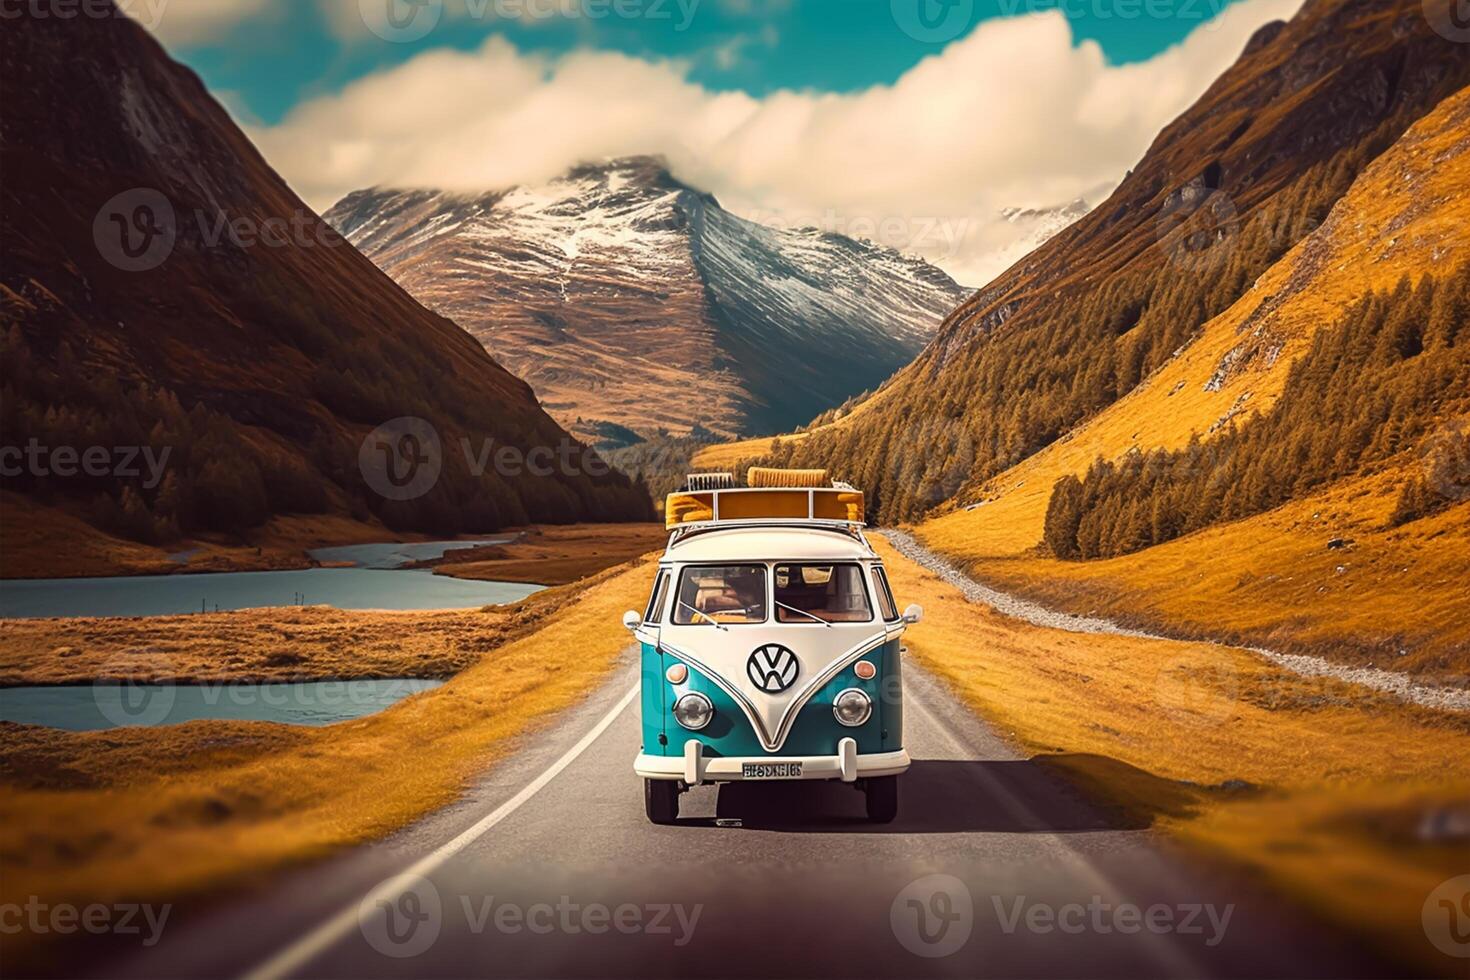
x: 256, y: 345
x: 626, y: 296
x: 1224, y: 191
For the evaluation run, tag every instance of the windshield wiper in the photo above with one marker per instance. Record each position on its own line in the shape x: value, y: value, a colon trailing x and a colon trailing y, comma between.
x: 803, y: 612
x: 713, y: 622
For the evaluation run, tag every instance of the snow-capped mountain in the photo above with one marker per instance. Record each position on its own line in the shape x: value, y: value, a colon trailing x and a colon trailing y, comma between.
x: 626, y: 297
x: 1037, y: 226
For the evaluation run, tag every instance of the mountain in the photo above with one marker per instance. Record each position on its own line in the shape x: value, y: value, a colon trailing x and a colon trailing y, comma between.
x: 1299, y: 477
x: 1038, y: 226
x: 163, y: 288
x: 629, y: 299
x: 1224, y: 192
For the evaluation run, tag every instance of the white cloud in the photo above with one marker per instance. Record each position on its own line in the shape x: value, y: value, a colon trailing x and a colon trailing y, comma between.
x: 1012, y: 115
x: 180, y: 22
x: 731, y: 53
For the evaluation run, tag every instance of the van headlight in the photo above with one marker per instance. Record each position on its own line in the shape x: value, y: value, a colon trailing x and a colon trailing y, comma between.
x: 693, y: 711
x: 852, y: 707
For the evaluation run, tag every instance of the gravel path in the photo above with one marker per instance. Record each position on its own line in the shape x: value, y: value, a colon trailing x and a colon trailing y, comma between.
x: 1390, y: 682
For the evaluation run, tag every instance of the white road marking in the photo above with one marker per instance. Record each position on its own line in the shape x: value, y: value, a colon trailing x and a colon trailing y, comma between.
x: 330, y: 932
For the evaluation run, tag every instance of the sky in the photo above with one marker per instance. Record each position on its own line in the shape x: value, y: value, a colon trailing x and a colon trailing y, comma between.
x: 914, y: 123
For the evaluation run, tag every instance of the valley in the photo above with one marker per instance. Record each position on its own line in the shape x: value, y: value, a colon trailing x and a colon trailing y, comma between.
x: 1184, y: 495
x: 1300, y: 544
x: 267, y: 379
x: 1179, y: 737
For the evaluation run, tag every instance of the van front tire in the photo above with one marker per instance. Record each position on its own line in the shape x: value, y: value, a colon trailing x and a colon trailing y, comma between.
x: 661, y: 800
x: 882, y: 795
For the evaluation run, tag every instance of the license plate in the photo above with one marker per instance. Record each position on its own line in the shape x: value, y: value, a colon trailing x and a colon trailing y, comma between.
x: 770, y: 770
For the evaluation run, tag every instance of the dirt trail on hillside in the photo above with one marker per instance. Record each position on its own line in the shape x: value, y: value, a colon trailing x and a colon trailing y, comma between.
x: 1390, y: 682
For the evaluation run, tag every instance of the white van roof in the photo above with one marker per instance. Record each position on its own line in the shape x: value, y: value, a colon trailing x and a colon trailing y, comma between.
x: 737, y: 544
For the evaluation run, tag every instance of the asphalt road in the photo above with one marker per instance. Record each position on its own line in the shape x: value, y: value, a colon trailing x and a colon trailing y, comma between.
x: 549, y: 869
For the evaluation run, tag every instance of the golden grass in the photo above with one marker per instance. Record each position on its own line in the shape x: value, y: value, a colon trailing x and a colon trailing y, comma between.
x: 1397, y: 602
x: 1162, y: 728
x: 729, y: 456
x: 1405, y: 213
x: 1270, y: 580
x: 161, y: 813
x: 259, y: 644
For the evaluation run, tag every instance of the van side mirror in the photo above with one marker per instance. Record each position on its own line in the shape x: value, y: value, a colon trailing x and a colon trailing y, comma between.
x: 632, y: 619
x: 913, y: 613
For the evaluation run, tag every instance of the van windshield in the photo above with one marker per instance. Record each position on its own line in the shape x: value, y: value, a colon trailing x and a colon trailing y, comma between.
x: 828, y: 593
x: 721, y: 594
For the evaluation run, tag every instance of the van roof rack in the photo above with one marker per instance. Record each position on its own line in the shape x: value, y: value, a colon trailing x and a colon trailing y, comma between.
x: 773, y: 497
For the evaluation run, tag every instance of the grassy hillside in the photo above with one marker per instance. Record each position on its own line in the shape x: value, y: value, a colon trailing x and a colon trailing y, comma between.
x: 1116, y: 300
x: 1272, y: 578
x: 164, y: 288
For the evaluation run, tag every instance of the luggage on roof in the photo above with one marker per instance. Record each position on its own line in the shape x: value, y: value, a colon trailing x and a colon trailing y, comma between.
x: 765, y: 476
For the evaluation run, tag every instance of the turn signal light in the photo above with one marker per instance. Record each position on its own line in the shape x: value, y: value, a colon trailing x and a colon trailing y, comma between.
x: 677, y: 674
x: 865, y: 670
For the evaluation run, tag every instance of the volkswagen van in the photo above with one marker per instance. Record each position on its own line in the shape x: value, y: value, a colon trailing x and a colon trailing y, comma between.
x: 770, y: 645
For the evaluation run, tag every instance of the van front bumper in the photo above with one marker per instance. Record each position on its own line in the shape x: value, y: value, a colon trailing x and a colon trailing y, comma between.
x: 694, y: 767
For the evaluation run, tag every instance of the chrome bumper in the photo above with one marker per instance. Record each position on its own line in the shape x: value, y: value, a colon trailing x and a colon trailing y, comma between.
x: 694, y: 767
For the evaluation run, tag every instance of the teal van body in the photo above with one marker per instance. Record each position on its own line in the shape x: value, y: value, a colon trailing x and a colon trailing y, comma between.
x: 771, y: 651
x: 816, y: 731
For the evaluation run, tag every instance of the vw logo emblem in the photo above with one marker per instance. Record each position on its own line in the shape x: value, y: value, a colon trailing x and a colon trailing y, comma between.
x: 772, y: 668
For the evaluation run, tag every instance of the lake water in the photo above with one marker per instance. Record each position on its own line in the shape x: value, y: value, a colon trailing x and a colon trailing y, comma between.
x: 395, y: 554
x: 166, y: 595
x: 97, y: 706
x: 376, y: 580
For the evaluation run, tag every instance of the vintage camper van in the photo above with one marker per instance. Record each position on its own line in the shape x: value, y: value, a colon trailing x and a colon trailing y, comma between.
x: 771, y: 643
